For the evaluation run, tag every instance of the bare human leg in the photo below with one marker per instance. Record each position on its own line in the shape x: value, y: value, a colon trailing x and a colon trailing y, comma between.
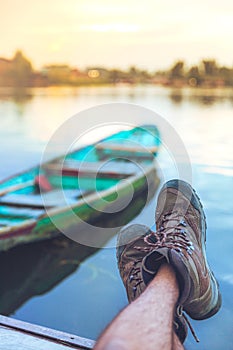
x: 156, y: 317
x: 147, y: 323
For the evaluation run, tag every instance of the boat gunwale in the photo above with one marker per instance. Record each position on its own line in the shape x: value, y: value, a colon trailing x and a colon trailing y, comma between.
x: 91, y: 197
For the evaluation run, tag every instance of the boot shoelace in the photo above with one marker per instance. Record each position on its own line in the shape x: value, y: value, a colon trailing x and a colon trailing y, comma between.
x: 170, y: 235
x: 180, y: 313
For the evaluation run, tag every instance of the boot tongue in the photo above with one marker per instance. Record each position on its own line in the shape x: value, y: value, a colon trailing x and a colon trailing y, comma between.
x: 152, y: 238
x: 150, y: 265
x: 171, y: 220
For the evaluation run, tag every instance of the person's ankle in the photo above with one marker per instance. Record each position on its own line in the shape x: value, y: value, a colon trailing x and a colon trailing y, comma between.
x: 166, y: 274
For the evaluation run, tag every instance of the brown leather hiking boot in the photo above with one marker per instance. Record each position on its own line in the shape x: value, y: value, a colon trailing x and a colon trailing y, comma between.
x: 180, y: 239
x: 136, y: 270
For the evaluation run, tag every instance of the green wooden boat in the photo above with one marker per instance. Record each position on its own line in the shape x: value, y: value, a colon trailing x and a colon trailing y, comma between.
x: 64, y: 194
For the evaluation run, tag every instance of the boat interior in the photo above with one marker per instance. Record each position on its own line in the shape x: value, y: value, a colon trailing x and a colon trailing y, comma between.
x: 66, y: 180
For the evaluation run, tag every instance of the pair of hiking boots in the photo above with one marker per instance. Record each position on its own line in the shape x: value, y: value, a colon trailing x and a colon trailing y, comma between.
x: 179, y: 240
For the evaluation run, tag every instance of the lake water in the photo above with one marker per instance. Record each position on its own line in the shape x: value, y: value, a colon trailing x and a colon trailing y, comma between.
x: 78, y: 289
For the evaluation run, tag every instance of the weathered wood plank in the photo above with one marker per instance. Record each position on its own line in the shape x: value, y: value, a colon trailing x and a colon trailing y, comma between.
x: 21, y: 335
x: 112, y: 169
x: 126, y: 147
x: 15, y: 340
x: 126, y: 151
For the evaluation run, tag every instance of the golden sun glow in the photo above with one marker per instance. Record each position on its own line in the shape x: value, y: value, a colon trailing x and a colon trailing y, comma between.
x: 117, y: 33
x: 111, y: 27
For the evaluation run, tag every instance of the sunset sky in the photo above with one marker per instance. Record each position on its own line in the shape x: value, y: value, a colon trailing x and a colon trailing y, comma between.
x: 117, y: 33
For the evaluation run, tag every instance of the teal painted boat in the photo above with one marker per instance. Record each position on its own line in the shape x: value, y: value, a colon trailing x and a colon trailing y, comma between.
x: 88, y: 184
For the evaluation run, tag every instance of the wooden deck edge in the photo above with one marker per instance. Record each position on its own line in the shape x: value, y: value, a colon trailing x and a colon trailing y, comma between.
x: 53, y: 335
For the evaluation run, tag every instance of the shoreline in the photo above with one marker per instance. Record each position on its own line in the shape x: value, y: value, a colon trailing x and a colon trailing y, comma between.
x: 183, y: 90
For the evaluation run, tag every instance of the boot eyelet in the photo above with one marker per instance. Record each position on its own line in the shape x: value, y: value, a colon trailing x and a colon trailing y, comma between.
x: 131, y: 277
x: 179, y: 310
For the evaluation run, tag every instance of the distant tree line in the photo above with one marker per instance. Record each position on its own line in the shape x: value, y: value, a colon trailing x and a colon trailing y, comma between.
x: 205, y: 73
x: 19, y: 72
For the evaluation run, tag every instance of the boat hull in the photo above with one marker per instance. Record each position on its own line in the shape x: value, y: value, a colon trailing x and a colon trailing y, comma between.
x: 71, y: 220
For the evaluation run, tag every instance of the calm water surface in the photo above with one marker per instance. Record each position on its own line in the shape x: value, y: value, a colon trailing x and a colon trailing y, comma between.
x: 78, y: 289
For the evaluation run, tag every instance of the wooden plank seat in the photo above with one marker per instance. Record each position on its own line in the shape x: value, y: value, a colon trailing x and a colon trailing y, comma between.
x: 47, y: 200
x: 121, y: 149
x: 111, y: 169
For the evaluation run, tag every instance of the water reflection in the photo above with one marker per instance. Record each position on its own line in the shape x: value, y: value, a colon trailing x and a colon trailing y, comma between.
x: 204, y: 97
x: 207, y: 100
x: 20, y: 97
x: 176, y: 96
x: 35, y: 269
x: 17, y: 95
